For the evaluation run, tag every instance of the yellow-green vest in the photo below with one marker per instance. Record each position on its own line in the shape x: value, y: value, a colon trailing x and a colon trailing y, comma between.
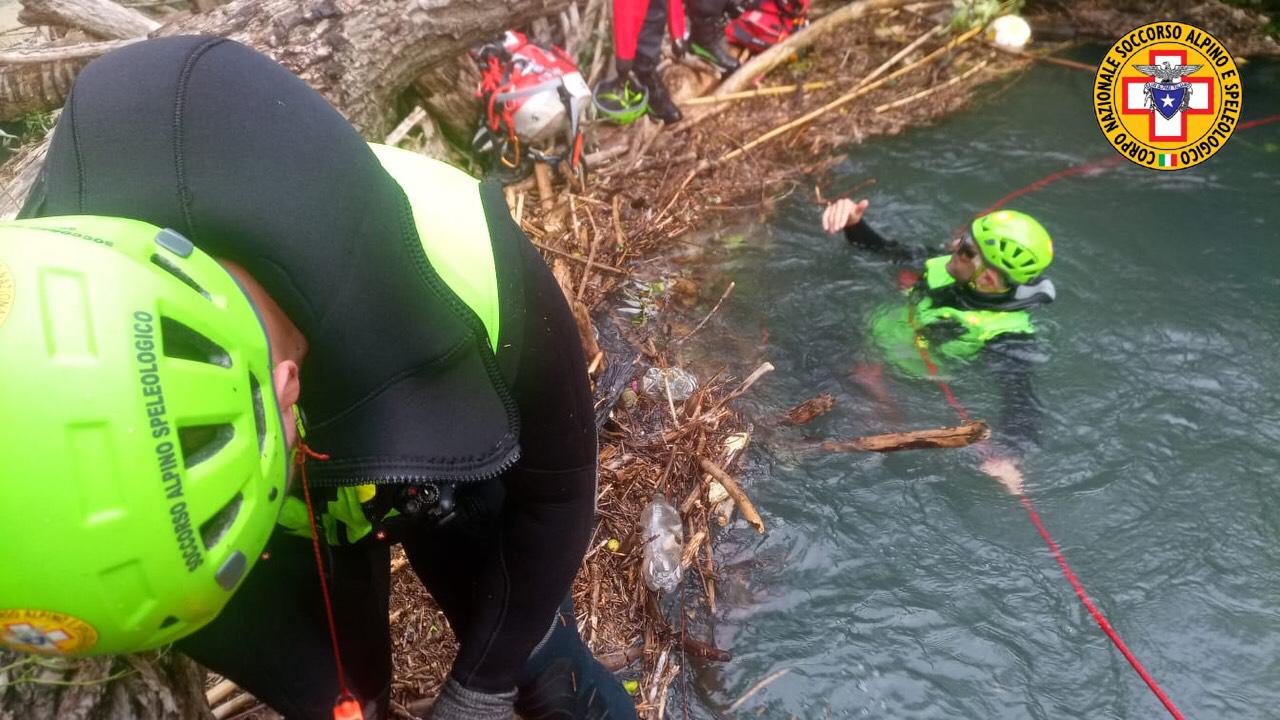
x: 454, y: 233
x: 901, y: 329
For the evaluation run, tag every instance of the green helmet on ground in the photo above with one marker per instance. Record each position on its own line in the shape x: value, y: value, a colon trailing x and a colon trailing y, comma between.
x: 1013, y: 243
x: 620, y: 101
x: 144, y: 462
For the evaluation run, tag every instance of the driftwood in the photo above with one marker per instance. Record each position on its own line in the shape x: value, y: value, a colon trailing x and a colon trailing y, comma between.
x: 705, y: 651
x: 949, y: 437
x: 776, y: 55
x: 812, y: 408
x: 864, y: 87
x: 736, y: 492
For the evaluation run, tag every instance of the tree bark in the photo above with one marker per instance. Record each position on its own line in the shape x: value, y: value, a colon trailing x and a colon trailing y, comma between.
x: 151, y: 686
x: 360, y: 54
x: 36, y: 80
x: 101, y: 18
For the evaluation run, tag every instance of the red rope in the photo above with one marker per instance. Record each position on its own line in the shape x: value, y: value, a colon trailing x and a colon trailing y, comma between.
x: 1259, y: 121
x: 1094, y: 165
x: 346, y: 707
x: 1097, y: 165
x: 1093, y: 610
x: 1053, y: 546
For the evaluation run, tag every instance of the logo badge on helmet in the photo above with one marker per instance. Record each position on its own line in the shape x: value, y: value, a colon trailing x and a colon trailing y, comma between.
x: 45, y: 632
x: 6, y: 292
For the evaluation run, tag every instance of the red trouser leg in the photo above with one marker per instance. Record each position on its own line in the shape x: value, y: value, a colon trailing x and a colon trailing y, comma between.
x: 628, y: 17
x: 675, y: 19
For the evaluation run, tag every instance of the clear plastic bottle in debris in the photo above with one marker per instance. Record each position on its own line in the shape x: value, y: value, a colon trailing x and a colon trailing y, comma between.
x: 663, y: 544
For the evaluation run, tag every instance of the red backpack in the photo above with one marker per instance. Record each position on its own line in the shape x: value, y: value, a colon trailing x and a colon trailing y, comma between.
x: 767, y: 23
x: 531, y: 93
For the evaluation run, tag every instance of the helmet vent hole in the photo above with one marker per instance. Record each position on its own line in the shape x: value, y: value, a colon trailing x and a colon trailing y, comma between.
x: 167, y: 622
x: 184, y: 343
x: 201, y: 442
x: 215, y: 527
x: 170, y: 267
x: 259, y: 412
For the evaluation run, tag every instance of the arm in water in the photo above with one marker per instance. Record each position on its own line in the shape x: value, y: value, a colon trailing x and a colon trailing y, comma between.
x: 845, y: 214
x: 1012, y: 359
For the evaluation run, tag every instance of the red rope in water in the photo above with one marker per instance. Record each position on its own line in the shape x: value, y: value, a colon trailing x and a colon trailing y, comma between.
x: 1097, y: 165
x: 1057, y: 554
x: 943, y: 385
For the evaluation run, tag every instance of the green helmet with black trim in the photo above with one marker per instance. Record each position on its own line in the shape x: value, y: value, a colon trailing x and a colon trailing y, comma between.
x: 144, y: 460
x: 620, y: 101
x: 1014, y: 243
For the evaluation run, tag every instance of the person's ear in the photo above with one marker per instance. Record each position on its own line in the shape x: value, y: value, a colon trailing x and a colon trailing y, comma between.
x: 284, y: 378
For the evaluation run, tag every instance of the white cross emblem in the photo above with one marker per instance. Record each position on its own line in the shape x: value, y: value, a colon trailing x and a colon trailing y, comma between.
x: 1172, y: 129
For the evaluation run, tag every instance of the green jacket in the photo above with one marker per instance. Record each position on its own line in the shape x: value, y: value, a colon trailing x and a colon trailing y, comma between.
x: 934, y: 321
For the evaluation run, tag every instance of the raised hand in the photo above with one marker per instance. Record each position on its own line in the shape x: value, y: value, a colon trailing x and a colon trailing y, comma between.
x: 842, y: 213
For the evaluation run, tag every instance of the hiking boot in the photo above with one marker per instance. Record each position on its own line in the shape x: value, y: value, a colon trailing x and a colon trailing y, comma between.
x: 660, y: 104
x: 706, y: 40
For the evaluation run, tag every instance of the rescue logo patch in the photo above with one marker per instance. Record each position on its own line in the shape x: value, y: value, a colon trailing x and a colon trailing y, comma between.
x: 6, y: 292
x: 1167, y: 95
x: 45, y: 632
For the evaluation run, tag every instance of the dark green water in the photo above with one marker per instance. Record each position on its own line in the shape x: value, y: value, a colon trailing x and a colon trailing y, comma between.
x: 913, y: 586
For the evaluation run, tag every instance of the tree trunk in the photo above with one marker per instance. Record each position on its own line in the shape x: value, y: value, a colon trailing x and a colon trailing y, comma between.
x: 101, y: 18
x: 151, y: 686
x: 361, y: 55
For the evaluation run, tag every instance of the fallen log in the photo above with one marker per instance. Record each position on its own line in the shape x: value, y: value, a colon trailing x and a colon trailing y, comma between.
x: 948, y: 437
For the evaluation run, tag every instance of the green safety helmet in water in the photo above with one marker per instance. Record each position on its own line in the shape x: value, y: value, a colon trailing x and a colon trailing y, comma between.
x: 1013, y: 243
x: 144, y: 460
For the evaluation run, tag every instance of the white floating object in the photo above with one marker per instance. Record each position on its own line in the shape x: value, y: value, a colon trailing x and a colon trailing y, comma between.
x: 1009, y: 31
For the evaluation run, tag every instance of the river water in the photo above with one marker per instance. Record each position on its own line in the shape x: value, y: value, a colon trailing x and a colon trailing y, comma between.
x: 913, y: 586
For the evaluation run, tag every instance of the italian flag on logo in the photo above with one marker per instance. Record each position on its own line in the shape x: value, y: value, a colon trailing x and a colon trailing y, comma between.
x: 1168, y: 160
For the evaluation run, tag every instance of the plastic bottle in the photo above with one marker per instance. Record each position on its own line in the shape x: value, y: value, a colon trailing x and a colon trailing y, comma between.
x: 663, y: 544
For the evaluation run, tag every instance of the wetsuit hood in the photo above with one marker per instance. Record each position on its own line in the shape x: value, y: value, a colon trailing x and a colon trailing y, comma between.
x: 399, y: 383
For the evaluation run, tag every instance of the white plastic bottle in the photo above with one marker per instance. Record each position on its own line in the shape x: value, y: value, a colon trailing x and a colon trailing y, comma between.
x: 663, y: 544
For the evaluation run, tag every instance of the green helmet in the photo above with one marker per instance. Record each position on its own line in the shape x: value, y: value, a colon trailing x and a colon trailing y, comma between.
x: 1014, y: 243
x: 620, y: 101
x: 143, y: 456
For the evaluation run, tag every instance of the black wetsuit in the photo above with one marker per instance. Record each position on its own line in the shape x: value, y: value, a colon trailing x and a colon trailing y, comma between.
x: 216, y: 141
x: 1011, y: 357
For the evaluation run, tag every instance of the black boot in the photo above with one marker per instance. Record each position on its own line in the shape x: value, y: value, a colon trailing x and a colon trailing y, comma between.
x: 706, y: 40
x: 660, y: 103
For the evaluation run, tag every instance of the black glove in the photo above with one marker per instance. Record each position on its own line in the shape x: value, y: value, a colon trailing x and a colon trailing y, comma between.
x: 563, y: 681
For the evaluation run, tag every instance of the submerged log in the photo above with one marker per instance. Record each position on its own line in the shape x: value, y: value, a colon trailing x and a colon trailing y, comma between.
x: 812, y: 408
x: 948, y: 437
